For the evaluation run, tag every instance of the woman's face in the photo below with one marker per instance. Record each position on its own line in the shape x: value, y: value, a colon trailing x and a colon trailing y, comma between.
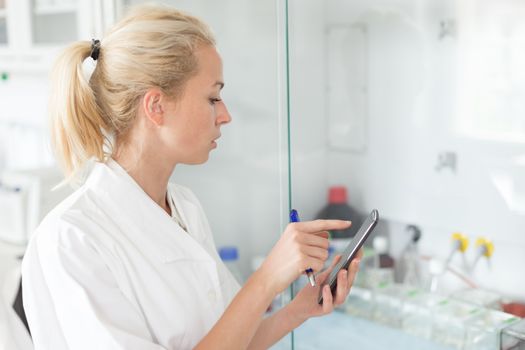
x: 193, y: 121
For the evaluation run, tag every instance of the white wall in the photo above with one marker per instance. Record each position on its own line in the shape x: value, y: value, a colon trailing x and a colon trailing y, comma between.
x: 419, y: 94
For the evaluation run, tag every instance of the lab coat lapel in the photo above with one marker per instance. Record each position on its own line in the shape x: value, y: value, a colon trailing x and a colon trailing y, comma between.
x: 198, y: 228
x: 144, y: 219
x: 190, y: 216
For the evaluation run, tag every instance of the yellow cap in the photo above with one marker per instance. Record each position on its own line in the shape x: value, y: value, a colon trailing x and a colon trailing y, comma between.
x: 462, y: 240
x: 488, y: 245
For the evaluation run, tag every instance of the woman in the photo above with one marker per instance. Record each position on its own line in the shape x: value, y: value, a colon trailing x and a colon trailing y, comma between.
x: 128, y: 261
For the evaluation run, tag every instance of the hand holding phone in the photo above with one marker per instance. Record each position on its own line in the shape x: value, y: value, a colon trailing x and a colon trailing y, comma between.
x: 351, y: 250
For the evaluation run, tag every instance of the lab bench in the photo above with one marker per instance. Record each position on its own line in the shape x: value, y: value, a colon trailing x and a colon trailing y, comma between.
x: 342, y: 331
x: 402, y: 317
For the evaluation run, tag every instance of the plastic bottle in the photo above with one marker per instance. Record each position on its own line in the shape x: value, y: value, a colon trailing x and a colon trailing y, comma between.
x: 383, y: 259
x: 436, y: 268
x: 382, y: 272
x: 230, y: 257
x: 410, y: 259
x: 338, y: 208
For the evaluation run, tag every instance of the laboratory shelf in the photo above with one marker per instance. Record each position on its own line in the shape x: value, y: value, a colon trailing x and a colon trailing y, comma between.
x: 55, y: 9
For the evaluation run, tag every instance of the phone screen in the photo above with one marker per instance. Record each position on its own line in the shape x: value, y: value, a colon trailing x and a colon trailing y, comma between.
x: 351, y: 250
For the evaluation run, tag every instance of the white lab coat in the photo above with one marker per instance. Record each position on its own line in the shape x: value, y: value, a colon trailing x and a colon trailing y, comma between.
x: 109, y: 269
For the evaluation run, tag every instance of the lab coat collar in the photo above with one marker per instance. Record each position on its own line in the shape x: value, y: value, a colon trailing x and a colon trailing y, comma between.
x: 144, y: 219
x: 189, y: 213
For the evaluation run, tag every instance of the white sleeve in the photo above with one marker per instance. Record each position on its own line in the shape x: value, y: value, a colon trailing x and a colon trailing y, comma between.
x: 72, y: 300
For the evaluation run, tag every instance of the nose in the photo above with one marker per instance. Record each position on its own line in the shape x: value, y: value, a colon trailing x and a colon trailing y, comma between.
x: 223, y: 116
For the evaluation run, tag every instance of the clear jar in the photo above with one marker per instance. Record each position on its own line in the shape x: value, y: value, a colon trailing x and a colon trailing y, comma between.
x: 483, y: 331
x: 450, y: 319
x: 418, y: 312
x: 485, y: 298
x: 388, y: 302
x: 513, y: 337
x: 360, y: 303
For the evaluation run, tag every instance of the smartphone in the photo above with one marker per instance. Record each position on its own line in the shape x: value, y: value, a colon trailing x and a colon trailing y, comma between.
x: 351, y: 250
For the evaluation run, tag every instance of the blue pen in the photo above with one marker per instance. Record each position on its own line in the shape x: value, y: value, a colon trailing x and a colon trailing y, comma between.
x: 294, y: 217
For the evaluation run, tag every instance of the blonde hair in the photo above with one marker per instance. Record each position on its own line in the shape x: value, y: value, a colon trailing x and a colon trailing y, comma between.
x: 154, y: 46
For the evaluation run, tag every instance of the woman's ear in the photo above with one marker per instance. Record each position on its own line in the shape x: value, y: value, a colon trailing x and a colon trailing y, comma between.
x: 152, y: 104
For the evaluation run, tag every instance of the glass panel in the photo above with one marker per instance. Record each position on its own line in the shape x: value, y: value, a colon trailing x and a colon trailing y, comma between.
x: 414, y: 108
x: 241, y: 185
x: 54, y: 21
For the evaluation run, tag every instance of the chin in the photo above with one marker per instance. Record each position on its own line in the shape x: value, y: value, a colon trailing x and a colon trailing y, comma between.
x: 199, y: 160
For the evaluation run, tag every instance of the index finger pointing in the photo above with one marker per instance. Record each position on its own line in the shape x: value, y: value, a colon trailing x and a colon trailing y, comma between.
x: 324, y: 234
x: 322, y: 225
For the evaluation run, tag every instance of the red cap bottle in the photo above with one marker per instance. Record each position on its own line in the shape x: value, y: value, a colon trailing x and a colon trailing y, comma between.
x: 337, y: 195
x: 338, y: 208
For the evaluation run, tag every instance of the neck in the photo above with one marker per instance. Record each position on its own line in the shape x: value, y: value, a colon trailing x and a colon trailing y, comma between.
x: 150, y: 173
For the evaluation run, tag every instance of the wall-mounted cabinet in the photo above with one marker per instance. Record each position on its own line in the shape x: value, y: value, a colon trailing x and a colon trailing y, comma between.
x: 45, y: 14
x: 33, y: 31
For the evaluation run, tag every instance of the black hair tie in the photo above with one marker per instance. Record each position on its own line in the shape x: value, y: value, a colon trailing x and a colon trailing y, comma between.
x: 95, y: 49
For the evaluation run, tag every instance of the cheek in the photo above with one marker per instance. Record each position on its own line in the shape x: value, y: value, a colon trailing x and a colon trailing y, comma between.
x: 192, y: 127
x: 174, y: 134
x: 201, y: 122
x: 190, y: 132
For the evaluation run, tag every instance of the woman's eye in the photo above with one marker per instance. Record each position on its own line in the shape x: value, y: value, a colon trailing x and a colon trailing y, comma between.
x: 214, y: 100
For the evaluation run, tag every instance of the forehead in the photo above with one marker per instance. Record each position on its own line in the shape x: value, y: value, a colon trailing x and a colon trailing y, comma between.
x: 209, y: 63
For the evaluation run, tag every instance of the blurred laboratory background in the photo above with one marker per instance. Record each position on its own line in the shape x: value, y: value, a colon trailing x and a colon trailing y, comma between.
x: 415, y: 108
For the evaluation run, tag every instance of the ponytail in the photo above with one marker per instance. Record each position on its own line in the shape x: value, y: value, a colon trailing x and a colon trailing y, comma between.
x: 153, y: 47
x: 77, y: 125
